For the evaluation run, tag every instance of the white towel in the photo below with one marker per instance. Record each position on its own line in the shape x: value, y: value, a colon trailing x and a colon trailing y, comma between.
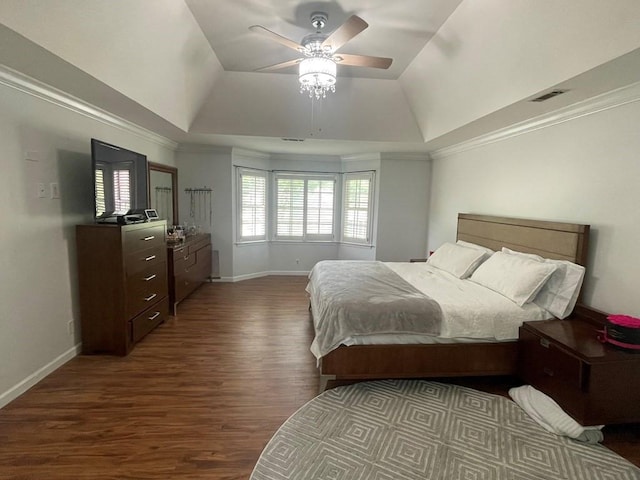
x: 548, y: 414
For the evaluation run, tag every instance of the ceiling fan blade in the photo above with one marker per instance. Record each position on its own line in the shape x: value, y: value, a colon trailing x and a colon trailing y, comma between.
x: 345, y: 32
x: 278, y: 66
x: 363, y: 60
x: 278, y: 38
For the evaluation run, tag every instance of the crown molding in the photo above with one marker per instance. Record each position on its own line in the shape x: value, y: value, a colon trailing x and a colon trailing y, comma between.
x: 253, y: 154
x: 615, y: 98
x: 202, y: 148
x: 410, y: 156
x: 30, y: 86
x: 358, y: 157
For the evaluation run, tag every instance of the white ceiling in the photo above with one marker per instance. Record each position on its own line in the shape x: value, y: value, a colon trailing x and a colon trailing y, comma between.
x: 185, y: 69
x: 397, y: 29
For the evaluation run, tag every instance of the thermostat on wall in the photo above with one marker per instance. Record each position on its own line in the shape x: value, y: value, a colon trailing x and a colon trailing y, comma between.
x: 151, y: 214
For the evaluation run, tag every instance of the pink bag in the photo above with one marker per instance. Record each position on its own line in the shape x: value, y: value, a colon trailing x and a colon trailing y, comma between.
x: 623, y: 331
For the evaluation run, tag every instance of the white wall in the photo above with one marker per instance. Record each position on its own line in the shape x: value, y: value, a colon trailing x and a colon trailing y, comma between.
x: 585, y: 170
x: 209, y: 167
x: 157, y: 56
x: 490, y: 54
x: 39, y: 293
x: 403, y: 208
x: 400, y: 201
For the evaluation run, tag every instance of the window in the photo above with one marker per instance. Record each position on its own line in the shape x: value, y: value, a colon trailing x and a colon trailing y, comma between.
x: 357, y: 207
x: 304, y: 207
x: 252, y: 205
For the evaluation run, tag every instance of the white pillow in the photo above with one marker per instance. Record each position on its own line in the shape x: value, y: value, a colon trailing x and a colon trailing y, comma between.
x: 459, y: 261
x: 516, y: 277
x: 559, y: 294
x: 487, y: 251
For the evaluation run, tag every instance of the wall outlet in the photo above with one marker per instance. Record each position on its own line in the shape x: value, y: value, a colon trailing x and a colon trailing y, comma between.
x: 297, y: 261
x: 53, y: 190
x: 41, y: 190
x: 70, y: 327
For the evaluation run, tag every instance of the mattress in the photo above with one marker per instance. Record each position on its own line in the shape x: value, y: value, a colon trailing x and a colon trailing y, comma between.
x: 471, y: 312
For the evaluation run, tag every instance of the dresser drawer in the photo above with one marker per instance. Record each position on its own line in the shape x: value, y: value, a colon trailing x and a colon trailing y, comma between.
x: 182, y: 261
x: 145, y: 288
x: 198, y: 244
x: 203, y: 257
x: 148, y: 320
x: 143, y: 259
x: 144, y: 238
x: 184, y: 285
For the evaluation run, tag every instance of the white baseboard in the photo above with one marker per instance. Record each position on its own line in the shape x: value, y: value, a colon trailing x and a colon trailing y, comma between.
x: 295, y: 273
x: 17, y: 390
x: 249, y: 276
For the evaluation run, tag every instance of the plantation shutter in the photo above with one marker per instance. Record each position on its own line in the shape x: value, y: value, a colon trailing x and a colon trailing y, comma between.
x: 253, y: 206
x: 100, y: 194
x: 320, y: 202
x: 358, y: 189
x: 289, y: 207
x: 122, y: 190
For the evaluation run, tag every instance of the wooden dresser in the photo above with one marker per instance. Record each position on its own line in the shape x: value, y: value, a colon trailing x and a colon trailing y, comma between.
x: 189, y: 266
x: 593, y: 382
x: 122, y: 276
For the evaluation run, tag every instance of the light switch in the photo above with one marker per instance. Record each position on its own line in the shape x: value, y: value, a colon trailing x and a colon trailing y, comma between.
x: 41, y: 190
x: 53, y: 190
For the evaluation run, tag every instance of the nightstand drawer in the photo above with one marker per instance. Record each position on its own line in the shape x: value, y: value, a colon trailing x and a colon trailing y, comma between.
x: 592, y: 382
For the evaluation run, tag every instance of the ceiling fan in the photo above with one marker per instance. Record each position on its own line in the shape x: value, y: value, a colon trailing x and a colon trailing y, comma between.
x: 317, y: 65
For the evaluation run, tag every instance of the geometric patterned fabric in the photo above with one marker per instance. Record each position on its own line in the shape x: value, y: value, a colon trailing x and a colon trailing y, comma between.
x: 415, y: 429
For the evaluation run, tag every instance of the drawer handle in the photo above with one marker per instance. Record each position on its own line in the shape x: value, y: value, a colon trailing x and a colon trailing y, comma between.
x: 544, y: 342
x: 150, y: 237
x: 547, y: 371
x: 154, y: 316
x: 186, y: 258
x: 149, y: 258
x: 150, y: 277
x: 150, y: 297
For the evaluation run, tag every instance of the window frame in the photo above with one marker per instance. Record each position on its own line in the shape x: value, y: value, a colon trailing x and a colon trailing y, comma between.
x: 240, y: 173
x: 350, y: 176
x: 305, y: 177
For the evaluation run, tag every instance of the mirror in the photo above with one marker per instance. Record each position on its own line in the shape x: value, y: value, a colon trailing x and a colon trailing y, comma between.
x: 163, y: 191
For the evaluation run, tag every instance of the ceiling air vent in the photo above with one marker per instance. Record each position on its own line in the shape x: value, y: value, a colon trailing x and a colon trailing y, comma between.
x: 547, y: 96
x: 293, y: 139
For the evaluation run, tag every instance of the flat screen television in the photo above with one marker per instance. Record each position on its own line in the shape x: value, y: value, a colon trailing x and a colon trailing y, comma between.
x: 120, y: 180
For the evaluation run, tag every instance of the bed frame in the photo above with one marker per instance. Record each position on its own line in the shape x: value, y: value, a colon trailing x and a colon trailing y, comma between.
x: 561, y: 241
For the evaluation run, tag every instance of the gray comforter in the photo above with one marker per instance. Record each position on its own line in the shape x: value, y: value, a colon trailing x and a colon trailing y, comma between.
x: 350, y: 298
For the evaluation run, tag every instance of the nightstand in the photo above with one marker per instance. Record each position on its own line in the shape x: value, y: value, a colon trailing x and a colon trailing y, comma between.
x: 593, y: 382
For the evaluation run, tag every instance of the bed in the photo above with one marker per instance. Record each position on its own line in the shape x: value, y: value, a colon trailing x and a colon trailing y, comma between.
x: 381, y: 357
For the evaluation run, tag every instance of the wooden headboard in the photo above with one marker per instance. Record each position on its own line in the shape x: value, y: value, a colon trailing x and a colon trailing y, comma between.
x: 555, y: 240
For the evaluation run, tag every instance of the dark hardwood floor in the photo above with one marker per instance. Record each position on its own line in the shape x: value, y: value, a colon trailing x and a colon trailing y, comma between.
x: 199, y: 398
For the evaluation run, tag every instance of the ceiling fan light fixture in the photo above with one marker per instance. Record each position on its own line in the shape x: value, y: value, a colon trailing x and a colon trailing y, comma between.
x: 317, y: 76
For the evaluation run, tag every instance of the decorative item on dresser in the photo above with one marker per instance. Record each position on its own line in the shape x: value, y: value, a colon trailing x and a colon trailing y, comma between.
x: 189, y: 266
x: 593, y: 382
x: 122, y: 275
